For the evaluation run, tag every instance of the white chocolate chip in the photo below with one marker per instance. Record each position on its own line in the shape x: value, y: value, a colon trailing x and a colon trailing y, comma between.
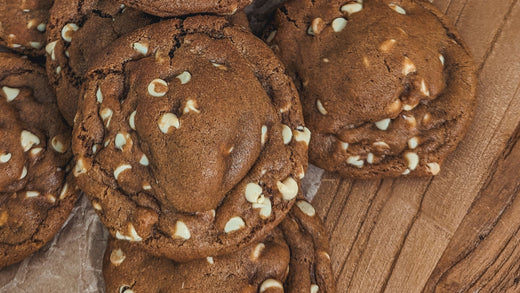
x: 99, y: 95
x: 36, y: 45
x: 10, y: 93
x: 144, y: 160
x: 265, y: 208
x: 28, y: 140
x: 413, y: 142
x: 257, y: 251
x: 147, y: 187
x: 58, y: 145
x: 133, y: 236
x: 80, y: 167
x: 58, y: 70
x: 406, y: 172
x: 434, y: 168
x: 106, y: 116
x: 191, y: 106
x: 117, y: 257
x: 408, y: 66
x: 68, y: 30
x: 270, y: 284
x: 253, y: 193
x: 157, y: 87
x: 41, y: 27
x: 167, y: 121
x: 140, y: 47
x: 234, y: 224
x: 24, y: 173
x: 271, y: 36
x: 410, y: 120
x: 64, y: 191
x: 355, y: 161
x: 220, y: 66
x: 264, y: 134
x: 120, y: 169
x: 35, y: 151
x: 314, y: 288
x: 288, y: 188
x: 121, y: 140
x: 441, y: 58
x: 383, y: 124
x: 413, y: 160
x: 181, y: 231
x: 210, y: 260
x: 424, y: 89
x: 302, y: 135
x: 407, y: 107
x: 97, y: 206
x: 184, y: 77
x: 301, y: 173
x: 339, y: 24
x: 125, y: 289
x: 306, y: 208
x: 32, y: 194
x: 387, y: 45
x: 286, y: 134
x: 381, y: 144
x: 351, y: 8
x: 4, y: 158
x: 51, y: 198
x: 397, y: 8
x: 370, y: 158
x: 50, y: 49
x: 131, y: 120
x: 320, y: 107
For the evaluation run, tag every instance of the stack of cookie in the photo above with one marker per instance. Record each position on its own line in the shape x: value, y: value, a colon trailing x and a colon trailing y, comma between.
x: 189, y: 136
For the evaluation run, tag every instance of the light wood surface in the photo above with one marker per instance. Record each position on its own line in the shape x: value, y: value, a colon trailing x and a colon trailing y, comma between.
x: 459, y: 231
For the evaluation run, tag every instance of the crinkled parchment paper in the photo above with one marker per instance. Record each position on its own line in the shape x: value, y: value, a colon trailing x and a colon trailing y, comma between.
x: 72, y: 261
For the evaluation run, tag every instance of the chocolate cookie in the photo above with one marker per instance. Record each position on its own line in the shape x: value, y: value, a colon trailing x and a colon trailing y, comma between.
x: 23, y: 25
x: 190, y: 138
x: 167, y: 8
x: 36, y: 196
x: 292, y: 258
x: 387, y: 87
x: 78, y: 31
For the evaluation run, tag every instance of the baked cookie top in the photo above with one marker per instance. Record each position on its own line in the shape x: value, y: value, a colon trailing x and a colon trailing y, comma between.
x: 167, y: 8
x: 292, y: 258
x: 387, y: 87
x: 23, y: 25
x: 79, y: 30
x: 190, y: 138
x: 35, y: 195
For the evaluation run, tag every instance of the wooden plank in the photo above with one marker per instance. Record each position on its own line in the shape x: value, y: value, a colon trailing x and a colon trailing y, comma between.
x: 449, y: 196
x: 488, y: 239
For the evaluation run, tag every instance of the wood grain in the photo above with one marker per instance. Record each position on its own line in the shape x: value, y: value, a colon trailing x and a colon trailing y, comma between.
x: 459, y: 231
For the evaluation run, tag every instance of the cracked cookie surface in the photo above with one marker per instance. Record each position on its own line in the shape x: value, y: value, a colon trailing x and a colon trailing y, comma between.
x: 292, y: 258
x: 387, y: 87
x: 36, y: 193
x: 168, y: 8
x: 79, y: 30
x: 23, y: 25
x: 190, y: 139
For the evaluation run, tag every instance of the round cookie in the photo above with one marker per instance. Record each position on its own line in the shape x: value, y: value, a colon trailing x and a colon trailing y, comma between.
x: 36, y: 195
x: 77, y: 31
x: 387, y: 87
x: 168, y: 8
x: 23, y: 25
x: 190, y: 138
x: 292, y: 258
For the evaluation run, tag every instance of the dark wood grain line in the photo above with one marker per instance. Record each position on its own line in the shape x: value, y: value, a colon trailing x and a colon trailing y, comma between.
x: 408, y: 229
x: 496, y: 36
x: 359, y: 230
